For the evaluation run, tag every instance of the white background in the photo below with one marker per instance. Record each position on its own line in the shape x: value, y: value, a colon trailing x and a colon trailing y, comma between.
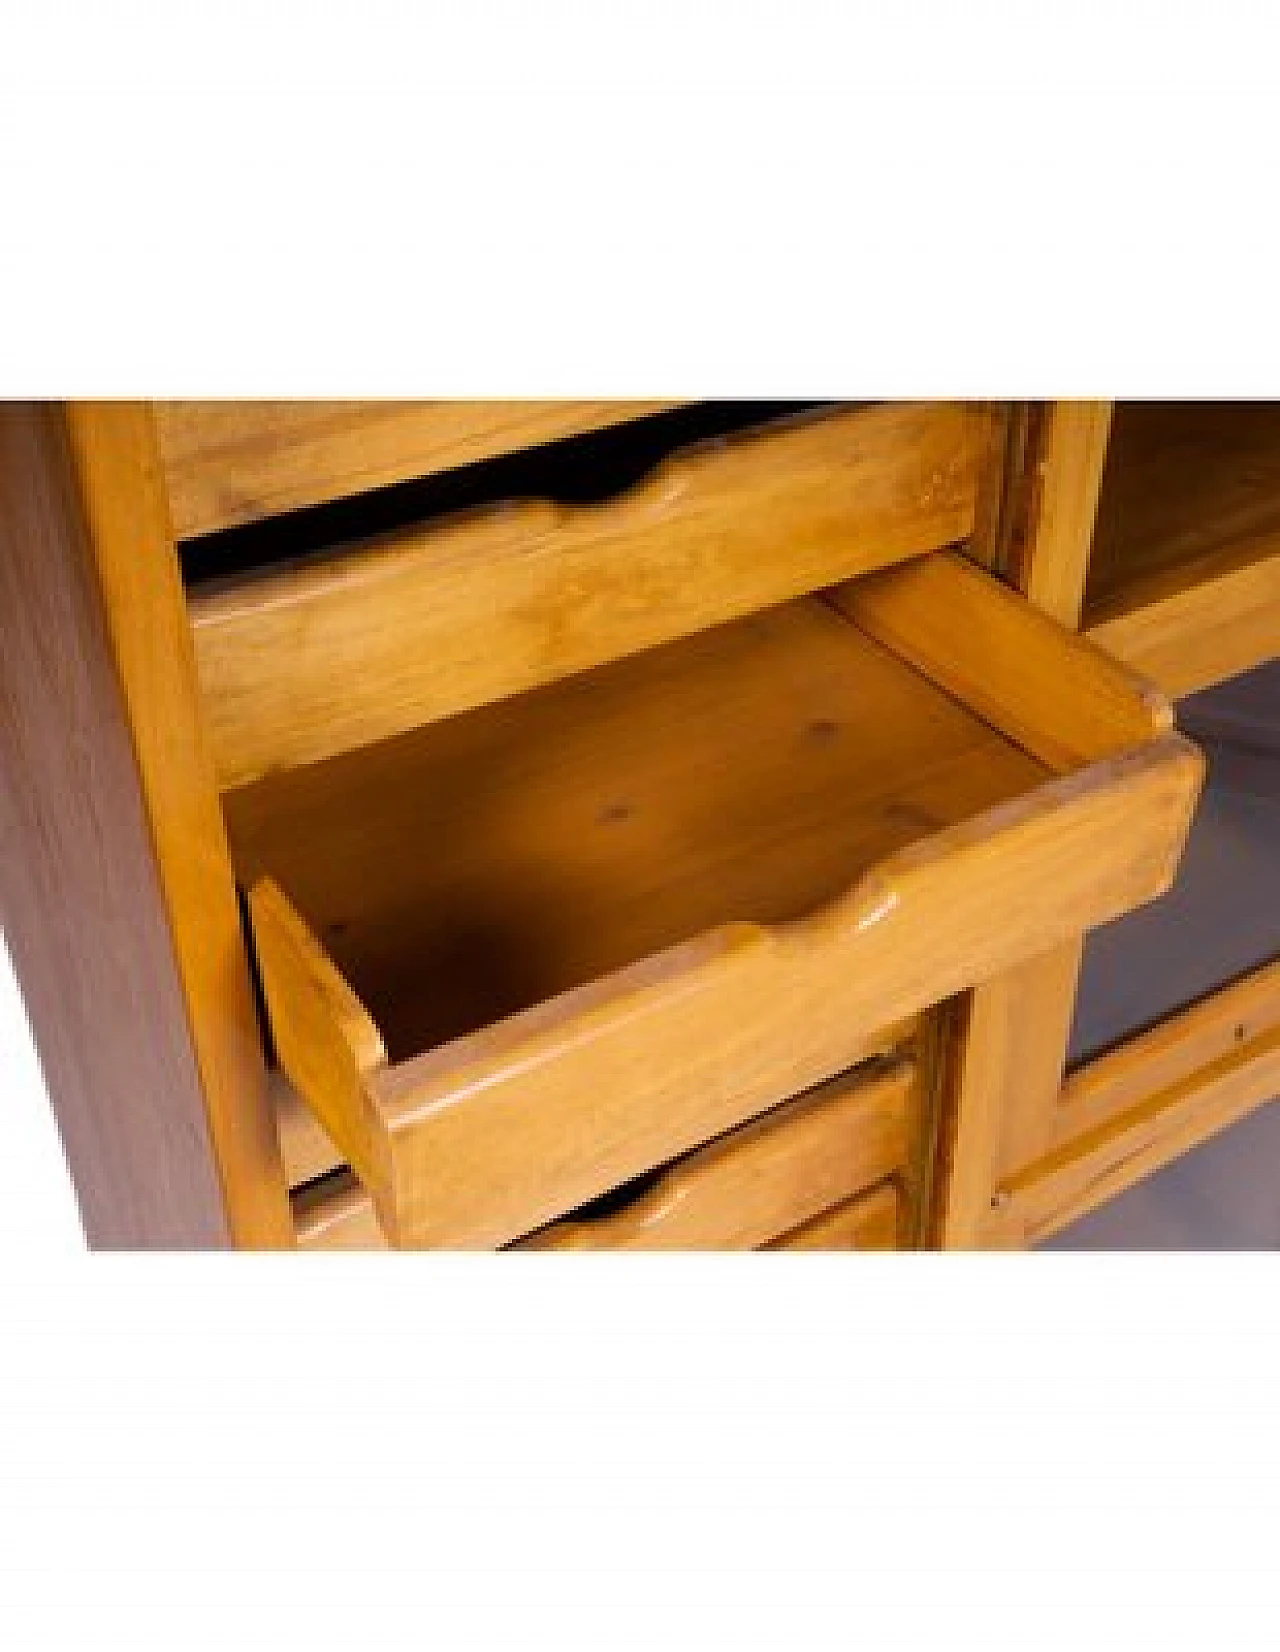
x: 769, y: 199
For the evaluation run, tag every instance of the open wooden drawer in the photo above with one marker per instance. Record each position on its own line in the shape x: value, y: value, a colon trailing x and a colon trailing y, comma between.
x: 517, y: 957
x: 1184, y: 574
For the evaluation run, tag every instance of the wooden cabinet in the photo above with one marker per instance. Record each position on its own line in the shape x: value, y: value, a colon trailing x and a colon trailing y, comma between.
x: 1176, y: 1029
x: 677, y: 840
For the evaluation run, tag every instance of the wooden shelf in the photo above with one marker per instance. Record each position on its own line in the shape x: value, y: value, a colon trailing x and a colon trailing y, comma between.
x: 1184, y: 578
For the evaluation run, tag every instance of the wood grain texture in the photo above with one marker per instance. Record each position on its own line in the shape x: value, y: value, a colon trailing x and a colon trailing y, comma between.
x: 1051, y: 569
x: 746, y: 1188
x: 1185, y: 1099
x: 1009, y: 489
x: 339, y: 1215
x: 325, y: 1039
x: 796, y: 959
x: 482, y: 865
x: 1055, y: 694
x: 309, y: 1151
x: 1200, y: 623
x: 1003, y: 1080
x: 119, y: 905
x: 1038, y: 1049
x: 1223, y: 1027
x: 228, y: 462
x: 311, y: 661
x: 869, y: 1222
x: 1000, y: 1067
x: 1183, y: 480
x: 1184, y: 580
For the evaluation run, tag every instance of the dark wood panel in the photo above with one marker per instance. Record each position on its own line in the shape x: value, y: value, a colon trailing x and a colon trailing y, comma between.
x: 123, y: 931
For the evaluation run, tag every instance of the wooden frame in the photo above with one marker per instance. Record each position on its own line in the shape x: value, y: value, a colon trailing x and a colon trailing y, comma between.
x: 119, y: 893
x: 119, y: 903
x: 1155, y: 1097
x: 1031, y: 1151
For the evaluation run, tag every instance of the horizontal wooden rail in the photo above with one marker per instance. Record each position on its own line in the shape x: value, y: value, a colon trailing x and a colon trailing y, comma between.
x: 1145, y: 1103
x: 1198, y: 624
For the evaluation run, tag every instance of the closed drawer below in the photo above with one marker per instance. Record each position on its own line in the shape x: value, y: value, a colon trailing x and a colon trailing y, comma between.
x: 871, y: 1221
x: 762, y: 1183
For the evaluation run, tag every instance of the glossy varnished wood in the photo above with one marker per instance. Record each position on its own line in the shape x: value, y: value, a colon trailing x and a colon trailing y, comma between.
x: 786, y: 1167
x: 118, y: 901
x: 1054, y: 694
x: 311, y: 661
x: 1003, y: 1078
x: 229, y: 462
x: 872, y: 1221
x: 310, y: 1153
x: 1002, y: 1049
x: 338, y: 1215
x: 1223, y: 1030
x: 809, y: 929
x: 482, y: 865
x: 1153, y: 1098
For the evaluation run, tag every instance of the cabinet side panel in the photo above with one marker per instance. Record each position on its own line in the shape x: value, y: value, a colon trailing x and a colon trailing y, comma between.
x: 159, y: 1156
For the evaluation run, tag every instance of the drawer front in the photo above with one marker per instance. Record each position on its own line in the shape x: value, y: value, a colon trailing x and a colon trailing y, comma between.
x: 766, y: 1179
x: 768, y: 1182
x: 310, y: 1154
x: 304, y: 663
x: 228, y: 463
x: 872, y: 1221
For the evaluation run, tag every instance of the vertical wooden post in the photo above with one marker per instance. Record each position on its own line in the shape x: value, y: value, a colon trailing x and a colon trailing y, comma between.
x: 1052, y: 558
x: 118, y: 900
x: 1005, y: 1053
x: 1003, y: 1079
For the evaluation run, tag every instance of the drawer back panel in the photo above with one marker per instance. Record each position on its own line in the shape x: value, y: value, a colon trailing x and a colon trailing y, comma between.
x: 302, y: 662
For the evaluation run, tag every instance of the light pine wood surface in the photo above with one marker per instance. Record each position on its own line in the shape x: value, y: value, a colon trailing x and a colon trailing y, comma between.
x: 587, y: 856
x: 314, y: 660
x: 785, y: 1168
x: 1184, y: 581
x: 872, y: 1221
x: 119, y: 904
x: 1003, y: 1050
x: 228, y: 462
x: 485, y: 1134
